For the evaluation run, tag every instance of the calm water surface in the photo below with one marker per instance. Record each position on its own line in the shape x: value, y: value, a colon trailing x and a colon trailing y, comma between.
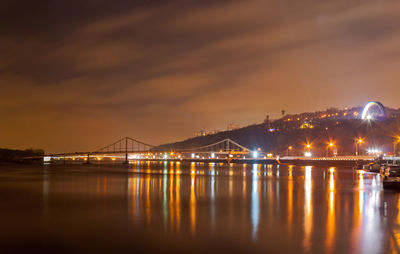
x: 163, y: 207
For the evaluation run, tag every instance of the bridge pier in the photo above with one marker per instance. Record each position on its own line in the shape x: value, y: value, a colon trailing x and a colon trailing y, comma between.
x: 88, y: 158
x: 126, y: 151
x: 126, y: 161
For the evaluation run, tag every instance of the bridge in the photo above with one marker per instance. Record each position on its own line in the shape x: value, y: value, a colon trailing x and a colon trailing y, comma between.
x: 116, y: 150
x: 131, y: 149
x: 128, y: 149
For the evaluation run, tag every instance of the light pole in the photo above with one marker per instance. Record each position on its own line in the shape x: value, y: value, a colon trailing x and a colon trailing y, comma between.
x: 308, y: 150
x: 330, y: 146
x: 358, y: 142
x: 289, y: 149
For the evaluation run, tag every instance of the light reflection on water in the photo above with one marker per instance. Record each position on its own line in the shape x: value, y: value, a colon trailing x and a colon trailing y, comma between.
x: 266, y: 200
x: 307, y: 208
x: 255, y: 201
x: 265, y: 207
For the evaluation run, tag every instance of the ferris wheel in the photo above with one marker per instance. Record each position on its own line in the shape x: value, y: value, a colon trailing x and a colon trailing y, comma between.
x: 373, y: 110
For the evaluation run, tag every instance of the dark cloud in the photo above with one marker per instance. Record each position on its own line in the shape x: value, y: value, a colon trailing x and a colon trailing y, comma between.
x: 75, y: 73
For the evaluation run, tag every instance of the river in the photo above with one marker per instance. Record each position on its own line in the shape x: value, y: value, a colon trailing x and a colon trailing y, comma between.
x: 158, y: 207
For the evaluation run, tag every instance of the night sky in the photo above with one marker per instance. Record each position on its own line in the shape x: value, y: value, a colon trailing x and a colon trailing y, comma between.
x: 76, y: 75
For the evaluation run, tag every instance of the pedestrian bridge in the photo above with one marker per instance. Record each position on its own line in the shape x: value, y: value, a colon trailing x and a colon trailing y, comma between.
x: 128, y: 149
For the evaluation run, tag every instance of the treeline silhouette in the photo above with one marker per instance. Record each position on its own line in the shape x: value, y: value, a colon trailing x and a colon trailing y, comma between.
x: 27, y: 155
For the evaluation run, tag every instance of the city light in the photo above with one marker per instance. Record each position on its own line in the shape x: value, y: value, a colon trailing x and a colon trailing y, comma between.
x: 331, y: 144
x: 255, y: 154
x: 290, y: 148
x: 358, y: 142
x: 374, y: 151
x: 307, y: 152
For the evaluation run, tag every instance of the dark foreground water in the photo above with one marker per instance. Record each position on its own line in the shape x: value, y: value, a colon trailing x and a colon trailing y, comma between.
x: 185, y: 208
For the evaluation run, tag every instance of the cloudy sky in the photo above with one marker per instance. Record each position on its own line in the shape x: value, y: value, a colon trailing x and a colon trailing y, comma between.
x: 76, y: 75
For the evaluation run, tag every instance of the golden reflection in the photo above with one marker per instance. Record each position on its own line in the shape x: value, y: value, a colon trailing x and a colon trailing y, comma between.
x: 171, y: 203
x: 361, y: 192
x: 307, y: 208
x: 269, y: 170
x: 192, y: 204
x: 230, y: 186
x: 358, y: 208
x: 201, y: 188
x: 395, y: 231
x: 290, y: 199
x: 178, y: 168
x: 193, y: 168
x: 244, y: 182
x: 178, y: 202
x: 133, y: 186
x: 148, y: 204
x: 330, y: 228
x: 270, y: 195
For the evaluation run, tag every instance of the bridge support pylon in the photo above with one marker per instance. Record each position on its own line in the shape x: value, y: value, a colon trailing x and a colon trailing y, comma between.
x: 126, y: 161
x: 88, y: 158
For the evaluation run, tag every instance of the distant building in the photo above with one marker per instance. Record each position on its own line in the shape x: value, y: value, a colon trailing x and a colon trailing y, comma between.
x: 200, y: 133
x: 233, y: 126
x: 205, y: 133
x: 306, y: 125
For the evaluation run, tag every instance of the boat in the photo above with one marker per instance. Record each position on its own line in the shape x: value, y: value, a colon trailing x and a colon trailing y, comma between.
x: 391, y: 182
x: 370, y: 167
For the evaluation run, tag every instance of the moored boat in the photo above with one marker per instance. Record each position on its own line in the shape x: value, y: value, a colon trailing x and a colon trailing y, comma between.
x: 391, y: 183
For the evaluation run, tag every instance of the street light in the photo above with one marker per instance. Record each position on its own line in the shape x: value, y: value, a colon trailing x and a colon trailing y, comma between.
x: 307, y: 153
x: 289, y: 149
x: 330, y: 146
x: 358, y: 142
x: 255, y: 154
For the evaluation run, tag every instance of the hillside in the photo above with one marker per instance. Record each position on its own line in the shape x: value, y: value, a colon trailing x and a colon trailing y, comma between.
x: 275, y: 137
